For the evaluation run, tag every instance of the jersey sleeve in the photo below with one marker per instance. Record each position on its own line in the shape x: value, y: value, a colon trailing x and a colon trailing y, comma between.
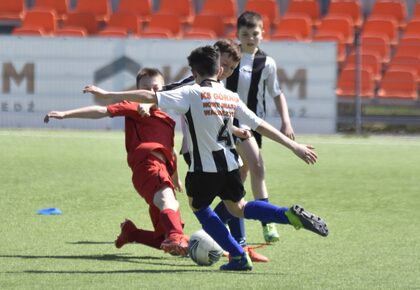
x: 246, y: 116
x: 273, y: 86
x: 124, y: 108
x: 177, y: 100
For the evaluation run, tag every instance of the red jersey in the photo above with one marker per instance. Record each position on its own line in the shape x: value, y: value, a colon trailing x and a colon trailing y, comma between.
x: 145, y: 134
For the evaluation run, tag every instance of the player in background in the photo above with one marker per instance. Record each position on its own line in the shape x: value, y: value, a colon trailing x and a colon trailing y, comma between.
x: 255, y: 76
x: 230, y: 55
x: 151, y: 157
x: 214, y: 169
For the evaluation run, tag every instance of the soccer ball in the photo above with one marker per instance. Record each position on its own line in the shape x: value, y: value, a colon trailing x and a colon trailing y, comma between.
x: 203, y: 249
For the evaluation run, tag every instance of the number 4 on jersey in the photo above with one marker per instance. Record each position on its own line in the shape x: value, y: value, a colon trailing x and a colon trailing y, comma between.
x: 224, y: 135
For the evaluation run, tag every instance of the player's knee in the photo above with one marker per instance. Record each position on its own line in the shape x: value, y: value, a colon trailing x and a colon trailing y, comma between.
x: 258, y: 170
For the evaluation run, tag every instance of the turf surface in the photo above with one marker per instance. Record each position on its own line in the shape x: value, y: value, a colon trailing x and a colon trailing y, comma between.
x: 367, y: 189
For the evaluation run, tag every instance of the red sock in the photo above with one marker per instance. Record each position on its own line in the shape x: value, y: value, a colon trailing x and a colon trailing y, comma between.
x: 147, y: 238
x: 171, y: 222
x: 180, y: 219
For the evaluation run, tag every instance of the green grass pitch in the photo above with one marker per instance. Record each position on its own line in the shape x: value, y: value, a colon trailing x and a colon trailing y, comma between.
x: 366, y: 188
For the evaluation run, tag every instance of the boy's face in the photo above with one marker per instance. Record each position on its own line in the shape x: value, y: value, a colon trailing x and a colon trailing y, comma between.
x: 154, y: 83
x: 228, y: 65
x: 250, y: 38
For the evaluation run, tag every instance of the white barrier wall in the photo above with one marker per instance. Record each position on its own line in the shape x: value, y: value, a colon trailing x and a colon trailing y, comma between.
x: 39, y: 75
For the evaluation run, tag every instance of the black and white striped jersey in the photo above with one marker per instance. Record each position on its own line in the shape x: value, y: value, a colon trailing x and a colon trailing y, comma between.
x: 209, y: 109
x: 255, y: 76
x: 187, y: 81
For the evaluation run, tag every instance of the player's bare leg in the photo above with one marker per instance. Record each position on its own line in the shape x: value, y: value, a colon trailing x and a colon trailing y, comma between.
x: 176, y: 242
x: 252, y: 158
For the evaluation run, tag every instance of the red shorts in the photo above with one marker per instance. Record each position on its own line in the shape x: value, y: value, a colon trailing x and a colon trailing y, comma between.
x: 149, y: 176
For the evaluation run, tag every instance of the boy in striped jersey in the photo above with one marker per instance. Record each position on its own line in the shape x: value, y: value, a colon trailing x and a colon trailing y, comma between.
x: 253, y: 78
x: 230, y: 56
x: 214, y: 169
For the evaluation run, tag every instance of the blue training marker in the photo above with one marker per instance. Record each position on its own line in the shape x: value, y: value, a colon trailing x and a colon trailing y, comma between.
x: 49, y: 211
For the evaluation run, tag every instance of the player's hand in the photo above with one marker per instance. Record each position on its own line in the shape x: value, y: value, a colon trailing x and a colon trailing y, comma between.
x: 143, y: 110
x: 287, y: 130
x: 54, y: 115
x: 96, y: 91
x: 242, y: 133
x: 306, y: 153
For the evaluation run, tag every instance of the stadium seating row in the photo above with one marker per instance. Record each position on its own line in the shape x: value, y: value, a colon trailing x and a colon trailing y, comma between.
x: 301, y: 19
x: 389, y: 41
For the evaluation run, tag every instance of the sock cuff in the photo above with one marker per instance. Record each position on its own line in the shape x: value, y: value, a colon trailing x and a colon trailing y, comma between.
x: 204, y: 213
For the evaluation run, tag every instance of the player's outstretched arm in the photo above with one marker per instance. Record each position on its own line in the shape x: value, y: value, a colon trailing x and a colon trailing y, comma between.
x: 92, y: 112
x: 140, y: 96
x: 304, y: 152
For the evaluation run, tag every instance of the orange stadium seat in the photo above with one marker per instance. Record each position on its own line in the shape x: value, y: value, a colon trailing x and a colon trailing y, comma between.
x: 378, y: 44
x: 197, y: 33
x: 416, y: 13
x: 44, y: 19
x: 412, y: 28
x: 398, y: 84
x: 182, y: 8
x: 30, y: 31
x: 368, y: 62
x: 113, y: 32
x: 157, y: 33
x: 346, y: 84
x: 163, y: 24
x: 211, y: 22
x: 83, y: 20
x: 100, y: 8
x: 140, y: 8
x: 226, y: 8
x: 382, y: 26
x: 393, y: 9
x: 338, y: 24
x: 12, y: 10
x: 408, y: 46
x: 71, y: 31
x: 338, y: 39
x: 61, y: 7
x: 122, y: 22
x: 298, y: 27
x: 306, y: 7
x: 266, y: 8
x: 348, y: 8
x: 406, y: 63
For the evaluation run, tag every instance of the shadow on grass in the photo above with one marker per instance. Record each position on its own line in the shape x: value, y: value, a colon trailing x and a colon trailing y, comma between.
x: 125, y: 258
x: 145, y: 260
x: 89, y: 243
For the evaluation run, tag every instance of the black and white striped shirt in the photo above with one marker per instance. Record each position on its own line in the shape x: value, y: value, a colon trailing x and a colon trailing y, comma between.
x: 252, y: 78
x: 209, y: 109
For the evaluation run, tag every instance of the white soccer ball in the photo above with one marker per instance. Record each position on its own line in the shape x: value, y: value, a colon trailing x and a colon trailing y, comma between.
x: 203, y: 249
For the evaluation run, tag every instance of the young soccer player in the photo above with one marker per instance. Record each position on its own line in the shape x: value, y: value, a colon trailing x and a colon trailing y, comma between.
x: 230, y: 56
x: 209, y: 109
x: 255, y: 76
x: 149, y: 144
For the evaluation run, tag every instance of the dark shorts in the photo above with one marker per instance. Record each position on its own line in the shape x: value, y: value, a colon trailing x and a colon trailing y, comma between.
x: 203, y: 187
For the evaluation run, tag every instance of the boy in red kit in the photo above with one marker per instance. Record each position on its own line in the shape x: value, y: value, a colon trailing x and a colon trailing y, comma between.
x: 149, y: 143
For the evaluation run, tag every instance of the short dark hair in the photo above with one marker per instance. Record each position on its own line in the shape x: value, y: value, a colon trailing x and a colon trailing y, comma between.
x: 249, y: 19
x: 147, y: 72
x: 205, y: 60
x: 230, y: 47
